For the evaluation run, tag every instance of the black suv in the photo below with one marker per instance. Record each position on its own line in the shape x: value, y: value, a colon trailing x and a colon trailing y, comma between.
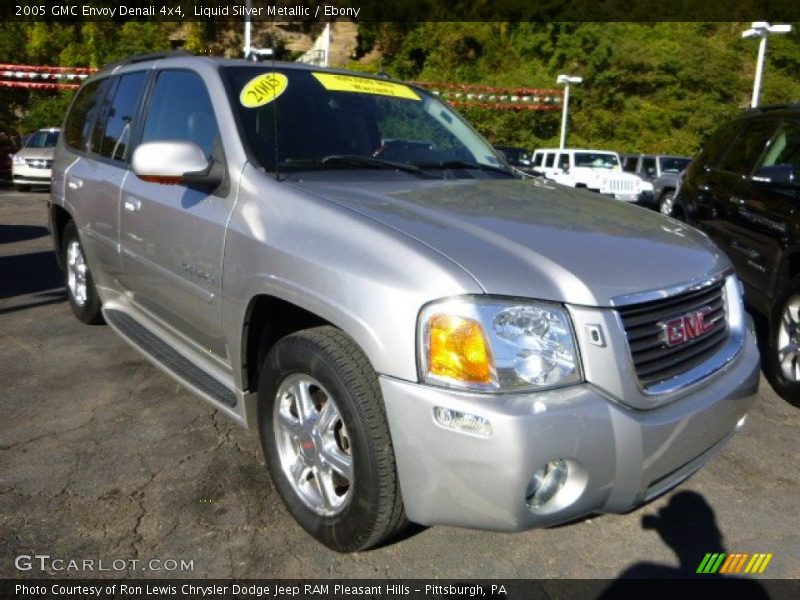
x: 743, y: 189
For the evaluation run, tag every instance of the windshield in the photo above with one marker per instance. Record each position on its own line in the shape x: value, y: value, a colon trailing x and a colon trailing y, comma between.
x: 515, y: 156
x: 296, y: 120
x: 42, y: 139
x: 596, y: 160
x: 674, y: 164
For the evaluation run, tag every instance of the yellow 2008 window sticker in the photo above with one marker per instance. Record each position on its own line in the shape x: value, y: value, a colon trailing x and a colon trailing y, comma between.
x: 263, y: 89
x: 348, y: 83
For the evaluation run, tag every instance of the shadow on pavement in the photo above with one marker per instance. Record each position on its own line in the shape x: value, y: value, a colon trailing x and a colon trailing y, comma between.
x: 21, y: 233
x: 689, y: 527
x: 32, y: 273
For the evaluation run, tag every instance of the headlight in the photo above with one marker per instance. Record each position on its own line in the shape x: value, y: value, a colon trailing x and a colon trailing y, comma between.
x: 17, y: 160
x: 497, y: 345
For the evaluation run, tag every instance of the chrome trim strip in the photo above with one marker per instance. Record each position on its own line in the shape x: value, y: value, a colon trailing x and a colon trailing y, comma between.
x: 664, y: 293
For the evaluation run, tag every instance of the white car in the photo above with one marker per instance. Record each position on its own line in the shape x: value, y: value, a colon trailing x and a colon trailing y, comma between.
x: 596, y: 170
x: 31, y: 165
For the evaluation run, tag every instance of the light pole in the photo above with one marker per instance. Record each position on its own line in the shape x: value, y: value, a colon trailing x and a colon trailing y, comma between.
x: 566, y: 81
x: 251, y: 53
x: 761, y: 29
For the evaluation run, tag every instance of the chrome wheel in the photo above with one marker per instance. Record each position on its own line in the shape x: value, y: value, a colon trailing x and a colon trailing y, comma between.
x: 313, y: 445
x: 789, y: 340
x: 76, y: 273
x: 667, y: 200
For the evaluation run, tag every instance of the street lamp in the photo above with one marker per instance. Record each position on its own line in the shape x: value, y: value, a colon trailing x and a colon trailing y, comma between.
x: 251, y: 53
x: 566, y: 81
x: 761, y: 29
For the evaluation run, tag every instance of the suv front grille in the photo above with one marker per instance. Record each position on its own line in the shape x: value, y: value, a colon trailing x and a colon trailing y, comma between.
x: 38, y: 163
x: 621, y: 185
x: 646, y: 325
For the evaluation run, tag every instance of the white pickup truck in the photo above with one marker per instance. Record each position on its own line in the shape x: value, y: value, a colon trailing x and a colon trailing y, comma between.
x: 596, y: 170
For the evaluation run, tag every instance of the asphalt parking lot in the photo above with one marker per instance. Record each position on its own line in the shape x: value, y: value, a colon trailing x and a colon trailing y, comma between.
x: 103, y: 457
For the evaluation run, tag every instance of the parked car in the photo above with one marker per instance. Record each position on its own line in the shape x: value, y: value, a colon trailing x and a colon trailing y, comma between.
x: 595, y: 170
x: 31, y: 165
x: 517, y: 157
x: 9, y: 144
x: 416, y: 333
x: 743, y: 189
x: 663, y: 171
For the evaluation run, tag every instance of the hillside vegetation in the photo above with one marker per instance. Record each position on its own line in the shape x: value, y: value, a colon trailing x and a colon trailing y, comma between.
x: 648, y: 87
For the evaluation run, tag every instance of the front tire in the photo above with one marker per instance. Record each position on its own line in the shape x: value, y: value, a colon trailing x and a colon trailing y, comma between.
x: 782, y: 360
x: 326, y: 440
x: 667, y: 203
x: 81, y: 292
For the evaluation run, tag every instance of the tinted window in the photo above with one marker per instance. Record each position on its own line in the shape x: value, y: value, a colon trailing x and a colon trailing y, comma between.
x: 747, y: 148
x: 629, y: 163
x: 537, y: 160
x: 673, y: 164
x: 563, y: 162
x: 785, y: 149
x: 115, y: 136
x: 548, y: 162
x: 717, y: 144
x: 78, y: 125
x: 180, y: 109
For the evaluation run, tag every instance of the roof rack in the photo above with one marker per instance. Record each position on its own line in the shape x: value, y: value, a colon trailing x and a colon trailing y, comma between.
x: 769, y: 107
x: 137, y: 58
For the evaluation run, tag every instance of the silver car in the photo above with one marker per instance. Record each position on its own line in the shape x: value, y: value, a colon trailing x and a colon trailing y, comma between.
x: 342, y: 263
x: 30, y: 166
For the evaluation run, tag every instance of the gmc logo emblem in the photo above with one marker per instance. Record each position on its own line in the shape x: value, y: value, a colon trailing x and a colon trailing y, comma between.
x: 686, y: 327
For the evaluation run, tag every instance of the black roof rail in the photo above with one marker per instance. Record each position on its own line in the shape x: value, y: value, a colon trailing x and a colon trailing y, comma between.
x: 137, y: 58
x: 769, y: 107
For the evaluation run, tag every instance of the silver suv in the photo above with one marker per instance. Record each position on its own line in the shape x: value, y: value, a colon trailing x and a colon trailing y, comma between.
x: 341, y: 262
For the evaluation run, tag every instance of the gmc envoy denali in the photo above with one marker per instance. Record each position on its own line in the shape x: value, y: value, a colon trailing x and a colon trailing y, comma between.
x: 342, y: 262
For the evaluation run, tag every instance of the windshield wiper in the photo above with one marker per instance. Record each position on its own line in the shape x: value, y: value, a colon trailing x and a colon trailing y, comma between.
x: 371, y: 161
x: 463, y: 164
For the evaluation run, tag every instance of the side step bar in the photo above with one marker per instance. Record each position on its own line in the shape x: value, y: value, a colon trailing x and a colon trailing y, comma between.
x: 169, y: 358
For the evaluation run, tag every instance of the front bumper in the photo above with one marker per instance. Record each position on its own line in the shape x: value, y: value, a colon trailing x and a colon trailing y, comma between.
x: 619, y: 457
x: 25, y: 175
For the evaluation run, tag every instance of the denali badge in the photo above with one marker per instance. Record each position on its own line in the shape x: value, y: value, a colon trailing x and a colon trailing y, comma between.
x: 686, y: 327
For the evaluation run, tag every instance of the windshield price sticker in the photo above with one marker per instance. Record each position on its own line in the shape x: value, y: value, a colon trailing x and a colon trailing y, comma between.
x: 263, y: 89
x: 347, y: 83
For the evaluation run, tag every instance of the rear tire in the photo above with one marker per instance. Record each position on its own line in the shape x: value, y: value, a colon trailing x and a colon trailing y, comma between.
x: 782, y: 358
x: 81, y: 291
x: 326, y: 440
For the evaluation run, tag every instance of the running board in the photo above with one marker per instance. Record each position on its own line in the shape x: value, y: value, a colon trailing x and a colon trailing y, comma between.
x: 171, y: 360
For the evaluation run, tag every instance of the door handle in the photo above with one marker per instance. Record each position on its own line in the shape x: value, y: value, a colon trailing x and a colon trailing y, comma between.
x: 74, y: 183
x: 748, y: 252
x: 132, y: 204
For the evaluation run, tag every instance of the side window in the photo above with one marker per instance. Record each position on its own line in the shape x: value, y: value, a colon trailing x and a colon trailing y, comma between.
x: 785, y: 149
x: 716, y: 145
x: 537, y: 160
x: 78, y: 126
x: 549, y: 159
x: 563, y: 162
x: 116, y: 131
x: 180, y: 109
x: 649, y: 166
x: 745, y: 151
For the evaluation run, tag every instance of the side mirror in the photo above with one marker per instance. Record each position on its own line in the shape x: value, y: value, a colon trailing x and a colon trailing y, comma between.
x: 783, y: 175
x: 175, y: 163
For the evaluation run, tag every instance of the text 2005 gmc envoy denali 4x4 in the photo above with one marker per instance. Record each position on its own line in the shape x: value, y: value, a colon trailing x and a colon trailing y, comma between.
x: 418, y: 335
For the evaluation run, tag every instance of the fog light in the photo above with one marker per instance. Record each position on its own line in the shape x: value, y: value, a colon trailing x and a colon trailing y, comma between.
x: 546, y: 483
x: 459, y: 421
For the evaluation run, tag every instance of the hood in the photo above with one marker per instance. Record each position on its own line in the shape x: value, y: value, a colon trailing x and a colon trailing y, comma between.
x: 533, y: 239
x: 46, y: 153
